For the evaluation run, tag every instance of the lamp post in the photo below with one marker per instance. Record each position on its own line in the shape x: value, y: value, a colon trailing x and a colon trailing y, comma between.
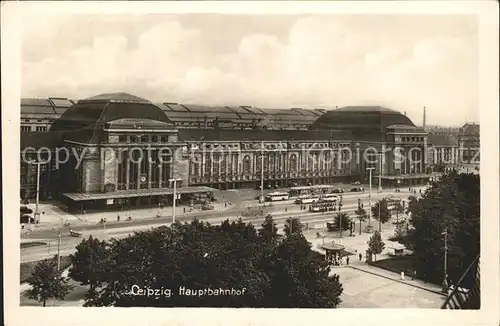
x: 261, y: 199
x: 262, y: 177
x: 37, y: 213
x: 370, y: 196
x: 380, y: 173
x: 59, y: 249
x: 174, y: 181
x: 445, y: 274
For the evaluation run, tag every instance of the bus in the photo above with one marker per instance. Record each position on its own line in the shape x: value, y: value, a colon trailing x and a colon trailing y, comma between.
x: 329, y: 197
x: 311, y: 190
x: 299, y: 199
x: 308, y: 200
x: 392, y: 202
x: 323, y: 206
x: 277, y: 196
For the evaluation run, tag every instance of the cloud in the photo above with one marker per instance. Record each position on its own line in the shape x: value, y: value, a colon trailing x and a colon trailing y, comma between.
x: 321, y: 62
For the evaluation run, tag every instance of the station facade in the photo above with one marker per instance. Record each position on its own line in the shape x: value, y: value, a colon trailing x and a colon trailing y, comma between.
x: 113, y: 150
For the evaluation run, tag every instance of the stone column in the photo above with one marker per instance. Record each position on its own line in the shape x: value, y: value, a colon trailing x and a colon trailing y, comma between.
x: 139, y: 172
x: 160, y: 174
x: 149, y: 173
x: 127, y: 177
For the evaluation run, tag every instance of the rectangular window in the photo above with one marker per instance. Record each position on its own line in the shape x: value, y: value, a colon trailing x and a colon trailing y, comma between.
x: 122, y: 139
x: 144, y: 139
x: 133, y: 139
x: 41, y: 128
x: 163, y: 139
x: 208, y: 165
x: 154, y: 139
x: 122, y: 171
x: 25, y: 128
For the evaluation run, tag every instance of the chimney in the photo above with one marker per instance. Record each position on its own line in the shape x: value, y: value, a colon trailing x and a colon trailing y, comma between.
x: 405, y: 113
x: 424, y: 120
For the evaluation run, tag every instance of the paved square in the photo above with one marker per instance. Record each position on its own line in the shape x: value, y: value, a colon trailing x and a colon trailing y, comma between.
x: 365, y: 290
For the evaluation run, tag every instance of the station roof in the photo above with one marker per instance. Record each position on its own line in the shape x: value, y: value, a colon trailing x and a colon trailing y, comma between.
x: 136, y: 193
x: 241, y: 135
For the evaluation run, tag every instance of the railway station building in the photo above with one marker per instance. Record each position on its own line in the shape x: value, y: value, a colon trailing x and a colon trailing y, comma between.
x: 115, y: 150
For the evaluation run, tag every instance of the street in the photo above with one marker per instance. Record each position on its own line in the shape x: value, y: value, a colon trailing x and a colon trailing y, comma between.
x: 123, y: 228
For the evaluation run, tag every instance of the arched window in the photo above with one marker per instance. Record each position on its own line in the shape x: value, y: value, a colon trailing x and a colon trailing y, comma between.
x: 246, y: 164
x: 293, y: 163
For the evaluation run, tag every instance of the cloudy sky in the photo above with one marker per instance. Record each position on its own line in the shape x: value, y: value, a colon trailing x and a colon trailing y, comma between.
x: 402, y: 62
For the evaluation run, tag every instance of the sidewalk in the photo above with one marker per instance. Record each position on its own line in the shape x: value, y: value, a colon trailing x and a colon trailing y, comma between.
x: 51, y: 215
x: 364, y: 267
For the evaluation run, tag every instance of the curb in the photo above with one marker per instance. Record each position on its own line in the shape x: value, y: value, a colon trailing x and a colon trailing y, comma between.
x: 396, y: 280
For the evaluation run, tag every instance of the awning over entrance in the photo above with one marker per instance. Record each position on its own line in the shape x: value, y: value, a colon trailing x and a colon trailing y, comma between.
x: 408, y: 176
x: 137, y: 193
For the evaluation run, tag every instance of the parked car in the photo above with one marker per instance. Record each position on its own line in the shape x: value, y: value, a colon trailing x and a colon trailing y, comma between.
x: 357, y: 183
x: 338, y: 191
x: 27, y: 219
x: 75, y: 234
x: 26, y: 210
x: 356, y: 189
x: 207, y: 208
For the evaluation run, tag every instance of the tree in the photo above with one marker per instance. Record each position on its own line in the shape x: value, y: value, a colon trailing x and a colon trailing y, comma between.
x: 198, y: 256
x: 375, y: 244
x: 380, y: 211
x: 292, y: 225
x: 400, y: 231
x: 399, y: 209
x: 361, y: 215
x: 342, y: 221
x: 269, y: 230
x: 47, y: 282
x: 86, y: 262
x: 412, y: 202
x: 296, y: 270
x: 451, y: 203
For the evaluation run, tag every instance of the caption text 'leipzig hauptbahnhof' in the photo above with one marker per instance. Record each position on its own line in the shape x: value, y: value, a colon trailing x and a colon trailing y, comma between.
x: 87, y: 153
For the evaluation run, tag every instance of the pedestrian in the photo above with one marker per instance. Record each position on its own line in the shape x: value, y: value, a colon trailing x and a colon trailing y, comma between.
x: 184, y: 209
x: 118, y: 217
x: 360, y: 256
x: 402, y: 276
x: 414, y: 275
x: 286, y: 209
x: 347, y: 260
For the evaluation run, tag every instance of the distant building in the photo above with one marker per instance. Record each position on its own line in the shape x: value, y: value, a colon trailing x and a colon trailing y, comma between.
x: 469, y: 143
x: 454, y: 149
x: 39, y: 114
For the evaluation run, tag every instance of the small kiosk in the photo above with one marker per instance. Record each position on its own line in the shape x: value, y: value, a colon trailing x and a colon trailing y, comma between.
x: 333, y: 252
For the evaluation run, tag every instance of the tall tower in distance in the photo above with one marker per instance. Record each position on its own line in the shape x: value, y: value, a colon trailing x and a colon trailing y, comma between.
x: 426, y: 154
x: 423, y: 124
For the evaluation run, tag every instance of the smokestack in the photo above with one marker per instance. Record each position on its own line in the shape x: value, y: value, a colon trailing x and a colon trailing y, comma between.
x: 424, y: 120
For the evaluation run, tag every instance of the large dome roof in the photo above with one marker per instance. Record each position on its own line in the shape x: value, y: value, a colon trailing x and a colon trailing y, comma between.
x: 367, y: 123
x: 361, y: 117
x: 98, y: 110
x: 84, y: 121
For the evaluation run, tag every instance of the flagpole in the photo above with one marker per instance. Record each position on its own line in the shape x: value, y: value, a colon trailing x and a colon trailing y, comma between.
x: 445, y: 276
